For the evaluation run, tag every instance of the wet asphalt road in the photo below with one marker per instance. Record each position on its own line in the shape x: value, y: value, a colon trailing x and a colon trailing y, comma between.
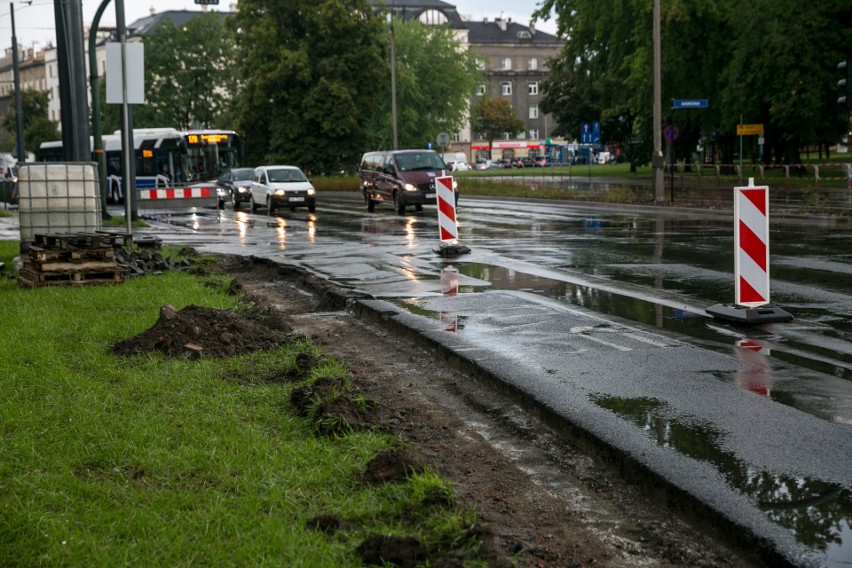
x: 595, y: 313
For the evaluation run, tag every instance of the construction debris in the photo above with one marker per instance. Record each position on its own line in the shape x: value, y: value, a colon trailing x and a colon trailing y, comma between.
x: 64, y: 259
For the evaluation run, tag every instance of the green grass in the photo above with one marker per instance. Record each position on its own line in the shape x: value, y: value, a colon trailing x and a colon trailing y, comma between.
x: 170, y: 462
x: 121, y: 221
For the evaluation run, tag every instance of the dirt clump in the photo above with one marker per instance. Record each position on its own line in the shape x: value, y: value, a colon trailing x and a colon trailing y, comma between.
x: 393, y: 465
x: 197, y: 331
x: 402, y: 551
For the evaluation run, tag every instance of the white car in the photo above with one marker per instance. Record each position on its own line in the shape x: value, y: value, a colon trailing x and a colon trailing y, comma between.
x: 274, y: 187
x: 460, y: 166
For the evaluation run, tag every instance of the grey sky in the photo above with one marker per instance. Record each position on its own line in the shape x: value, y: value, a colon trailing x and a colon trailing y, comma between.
x: 34, y: 21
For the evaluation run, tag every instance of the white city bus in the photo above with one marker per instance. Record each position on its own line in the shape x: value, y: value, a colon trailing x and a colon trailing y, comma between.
x: 166, y: 158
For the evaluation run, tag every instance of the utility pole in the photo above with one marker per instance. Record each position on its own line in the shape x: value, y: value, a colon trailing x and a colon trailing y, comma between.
x: 72, y: 80
x: 657, y: 158
x: 128, y: 169
x: 96, y: 106
x: 19, y: 105
x: 393, y: 83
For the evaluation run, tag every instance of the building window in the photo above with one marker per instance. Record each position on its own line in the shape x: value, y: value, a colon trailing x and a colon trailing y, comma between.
x: 534, y: 134
x: 522, y: 135
x: 532, y: 87
x: 506, y: 64
x: 480, y: 90
x: 532, y: 65
x: 456, y: 137
x: 506, y: 89
x: 505, y: 136
x: 533, y: 111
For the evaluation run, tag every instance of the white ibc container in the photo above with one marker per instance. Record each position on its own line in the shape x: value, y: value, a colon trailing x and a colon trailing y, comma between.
x: 58, y: 197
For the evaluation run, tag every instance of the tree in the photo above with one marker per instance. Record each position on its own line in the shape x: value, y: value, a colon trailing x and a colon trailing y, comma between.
x: 189, y: 74
x: 434, y: 81
x: 38, y: 127
x: 311, y: 72
x: 746, y: 59
x: 494, y: 116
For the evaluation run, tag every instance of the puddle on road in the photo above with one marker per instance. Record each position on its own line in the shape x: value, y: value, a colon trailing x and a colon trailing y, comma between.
x: 709, y: 334
x: 818, y: 513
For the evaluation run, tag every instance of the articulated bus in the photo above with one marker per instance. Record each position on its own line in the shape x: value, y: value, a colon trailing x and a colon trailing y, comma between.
x: 165, y: 157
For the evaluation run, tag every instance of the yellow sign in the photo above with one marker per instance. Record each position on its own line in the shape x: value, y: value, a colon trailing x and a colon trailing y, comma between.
x: 208, y: 138
x: 749, y: 129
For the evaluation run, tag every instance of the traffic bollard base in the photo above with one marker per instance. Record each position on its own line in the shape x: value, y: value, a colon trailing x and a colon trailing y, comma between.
x: 750, y: 316
x: 452, y: 250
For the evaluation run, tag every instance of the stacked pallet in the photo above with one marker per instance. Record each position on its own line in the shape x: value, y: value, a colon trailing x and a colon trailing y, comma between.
x: 69, y: 259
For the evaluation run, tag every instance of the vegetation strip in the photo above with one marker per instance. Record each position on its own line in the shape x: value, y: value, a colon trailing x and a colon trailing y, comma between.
x: 163, y: 458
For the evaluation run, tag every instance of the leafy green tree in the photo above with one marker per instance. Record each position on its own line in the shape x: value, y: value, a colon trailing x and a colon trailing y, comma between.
x: 745, y: 58
x: 785, y: 75
x: 434, y: 82
x: 312, y: 72
x: 38, y: 127
x: 492, y: 117
x: 189, y: 74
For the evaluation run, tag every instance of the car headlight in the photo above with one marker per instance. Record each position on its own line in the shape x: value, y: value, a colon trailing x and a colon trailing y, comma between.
x: 242, y: 189
x: 280, y: 192
x: 409, y: 187
x: 311, y: 191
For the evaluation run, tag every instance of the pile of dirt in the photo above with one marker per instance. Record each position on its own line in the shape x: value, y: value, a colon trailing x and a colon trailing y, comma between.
x: 196, y: 331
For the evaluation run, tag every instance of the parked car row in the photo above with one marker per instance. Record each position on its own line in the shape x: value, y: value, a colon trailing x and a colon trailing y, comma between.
x: 537, y: 162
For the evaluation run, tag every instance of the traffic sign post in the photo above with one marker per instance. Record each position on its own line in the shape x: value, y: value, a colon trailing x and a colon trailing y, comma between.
x: 671, y: 133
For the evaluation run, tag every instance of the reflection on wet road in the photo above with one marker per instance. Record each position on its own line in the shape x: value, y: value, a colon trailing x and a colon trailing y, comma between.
x: 651, y: 272
x: 656, y: 267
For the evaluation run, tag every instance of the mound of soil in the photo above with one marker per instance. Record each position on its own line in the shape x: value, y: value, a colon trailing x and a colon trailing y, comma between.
x: 196, y: 331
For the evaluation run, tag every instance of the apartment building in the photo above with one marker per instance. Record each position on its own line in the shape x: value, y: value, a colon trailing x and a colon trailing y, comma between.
x: 516, y: 67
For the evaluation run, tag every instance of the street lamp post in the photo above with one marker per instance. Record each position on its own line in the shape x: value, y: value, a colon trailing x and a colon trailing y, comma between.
x: 96, y: 106
x: 19, y: 106
x: 393, y: 83
x: 657, y: 158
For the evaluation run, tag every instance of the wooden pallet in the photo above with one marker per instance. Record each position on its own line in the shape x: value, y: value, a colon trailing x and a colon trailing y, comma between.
x: 117, y: 239
x: 32, y: 279
x: 70, y: 240
x: 39, y: 254
x: 70, y: 259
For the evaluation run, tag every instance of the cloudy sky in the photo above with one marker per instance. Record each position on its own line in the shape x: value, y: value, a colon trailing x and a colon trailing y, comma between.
x: 34, y: 19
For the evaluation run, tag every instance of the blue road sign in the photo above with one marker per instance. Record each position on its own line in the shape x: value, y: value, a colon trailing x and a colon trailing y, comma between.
x: 689, y: 103
x: 590, y: 133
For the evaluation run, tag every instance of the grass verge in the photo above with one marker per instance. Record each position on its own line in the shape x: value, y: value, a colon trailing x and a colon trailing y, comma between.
x: 168, y: 462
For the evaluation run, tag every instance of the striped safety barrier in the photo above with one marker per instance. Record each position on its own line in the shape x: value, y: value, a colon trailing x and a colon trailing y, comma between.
x: 751, y: 235
x: 177, y: 193
x: 166, y: 198
x: 447, y: 224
